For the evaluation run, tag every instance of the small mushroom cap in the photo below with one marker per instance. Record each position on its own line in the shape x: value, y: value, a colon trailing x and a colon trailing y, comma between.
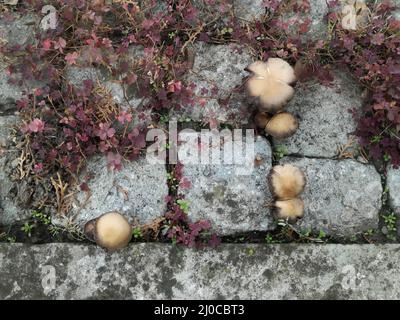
x: 289, y: 209
x: 261, y: 119
x: 282, y: 125
x: 113, y: 231
x: 286, y: 181
x: 270, y: 83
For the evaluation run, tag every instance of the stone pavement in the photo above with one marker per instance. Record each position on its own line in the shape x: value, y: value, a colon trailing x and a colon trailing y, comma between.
x: 343, y: 197
x: 233, y: 271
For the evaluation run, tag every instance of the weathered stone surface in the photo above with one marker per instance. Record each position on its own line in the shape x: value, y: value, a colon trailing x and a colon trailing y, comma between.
x: 396, y: 13
x: 77, y: 74
x: 221, y: 66
x: 318, y: 28
x: 138, y: 191
x: 218, y: 74
x: 249, y: 10
x: 232, y: 199
x: 10, y: 211
x: 341, y: 198
x: 5, y: 127
x: 207, y: 13
x: 393, y: 183
x: 324, y: 119
x: 157, y: 271
x: 10, y: 93
x: 16, y: 29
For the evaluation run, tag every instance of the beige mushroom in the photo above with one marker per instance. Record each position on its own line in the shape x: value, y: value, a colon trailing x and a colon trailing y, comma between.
x: 111, y: 231
x: 291, y: 209
x: 270, y: 83
x: 286, y: 181
x: 282, y: 125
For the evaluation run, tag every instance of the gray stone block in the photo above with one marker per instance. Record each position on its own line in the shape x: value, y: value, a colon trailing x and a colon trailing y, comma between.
x: 325, y: 122
x: 138, y: 191
x: 232, y: 199
x: 393, y: 183
x: 10, y: 211
x: 342, y: 198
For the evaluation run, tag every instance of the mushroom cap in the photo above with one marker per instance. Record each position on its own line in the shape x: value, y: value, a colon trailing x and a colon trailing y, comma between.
x: 286, y: 181
x: 112, y: 231
x: 258, y: 68
x: 270, y: 83
x: 261, y: 119
x: 282, y: 125
x: 272, y: 94
x: 275, y: 68
x: 275, y: 95
x: 281, y: 70
x: 361, y: 12
x: 289, y: 209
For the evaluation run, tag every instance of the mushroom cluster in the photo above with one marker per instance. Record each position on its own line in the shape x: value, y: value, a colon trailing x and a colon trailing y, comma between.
x: 111, y: 231
x: 270, y: 85
x: 286, y: 183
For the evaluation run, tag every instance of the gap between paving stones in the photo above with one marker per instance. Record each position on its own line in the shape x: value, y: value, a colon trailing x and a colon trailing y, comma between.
x: 259, y: 236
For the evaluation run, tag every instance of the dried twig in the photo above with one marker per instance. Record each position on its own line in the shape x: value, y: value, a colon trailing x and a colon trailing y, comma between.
x: 60, y: 187
x: 345, y: 151
x: 154, y: 226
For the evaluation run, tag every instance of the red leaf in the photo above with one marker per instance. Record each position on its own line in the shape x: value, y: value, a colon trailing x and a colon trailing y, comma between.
x: 47, y: 44
x: 36, y: 126
x: 60, y: 44
x: 71, y: 58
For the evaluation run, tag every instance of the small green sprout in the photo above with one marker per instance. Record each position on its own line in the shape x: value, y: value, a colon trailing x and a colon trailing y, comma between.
x: 251, y: 251
x: 390, y: 223
x: 270, y: 239
x: 27, y: 228
x: 45, y: 219
x: 184, y: 205
x: 386, y: 157
x: 279, y: 152
x: 321, y: 234
x: 137, y: 233
x: 376, y: 139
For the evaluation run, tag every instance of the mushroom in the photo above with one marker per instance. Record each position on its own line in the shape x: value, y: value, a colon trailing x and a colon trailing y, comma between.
x: 286, y: 181
x: 261, y: 119
x: 355, y: 15
x: 282, y: 125
x: 291, y: 209
x: 111, y: 231
x: 270, y: 83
